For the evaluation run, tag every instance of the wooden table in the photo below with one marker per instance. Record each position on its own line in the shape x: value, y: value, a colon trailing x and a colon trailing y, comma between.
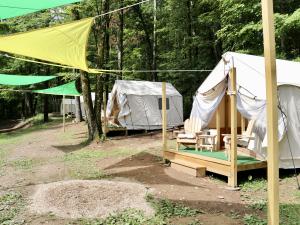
x: 203, y: 144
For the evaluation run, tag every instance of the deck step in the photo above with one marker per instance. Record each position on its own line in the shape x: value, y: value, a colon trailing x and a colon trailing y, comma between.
x: 188, y: 168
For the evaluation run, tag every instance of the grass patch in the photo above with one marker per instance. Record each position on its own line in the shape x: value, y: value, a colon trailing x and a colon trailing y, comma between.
x: 86, y: 154
x: 19, y: 135
x: 254, y: 185
x: 289, y: 214
x: 164, y: 210
x: 250, y: 219
x: 127, y: 217
x: 297, y: 194
x: 23, y: 164
x: 10, y: 206
x: 86, y: 172
x: 3, y: 154
x: 82, y: 163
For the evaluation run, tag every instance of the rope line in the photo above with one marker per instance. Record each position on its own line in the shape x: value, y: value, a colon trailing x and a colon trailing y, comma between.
x: 284, y: 116
x: 38, y: 62
x: 120, y: 9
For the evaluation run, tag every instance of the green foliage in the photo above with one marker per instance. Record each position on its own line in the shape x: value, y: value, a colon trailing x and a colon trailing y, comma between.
x: 24, y: 164
x: 167, y: 208
x: 87, y: 154
x: 10, y: 206
x: 164, y: 209
x: 260, y: 205
x: 290, y: 214
x: 190, y: 35
x: 253, y: 220
x: 254, y: 185
x: 128, y: 217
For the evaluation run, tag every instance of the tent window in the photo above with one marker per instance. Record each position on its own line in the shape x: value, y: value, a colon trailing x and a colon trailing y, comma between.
x: 160, y: 104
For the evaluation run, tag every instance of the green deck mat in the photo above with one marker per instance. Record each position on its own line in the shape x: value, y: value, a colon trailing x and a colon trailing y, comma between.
x: 220, y: 155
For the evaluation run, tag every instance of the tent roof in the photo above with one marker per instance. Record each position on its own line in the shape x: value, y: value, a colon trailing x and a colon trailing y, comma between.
x: 250, y: 71
x: 14, y: 8
x: 131, y: 87
x: 18, y: 80
x: 68, y: 89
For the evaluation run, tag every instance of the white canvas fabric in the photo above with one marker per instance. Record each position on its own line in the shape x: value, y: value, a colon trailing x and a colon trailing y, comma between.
x: 251, y: 101
x: 204, y: 105
x: 138, y: 105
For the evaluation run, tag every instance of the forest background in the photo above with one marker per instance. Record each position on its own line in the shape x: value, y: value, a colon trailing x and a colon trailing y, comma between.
x: 188, y: 35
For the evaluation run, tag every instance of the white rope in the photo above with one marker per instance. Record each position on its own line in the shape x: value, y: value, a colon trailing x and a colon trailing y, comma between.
x: 38, y: 62
x: 151, y: 71
x: 120, y: 9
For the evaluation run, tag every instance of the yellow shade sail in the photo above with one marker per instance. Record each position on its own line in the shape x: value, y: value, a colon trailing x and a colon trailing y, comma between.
x: 63, y: 44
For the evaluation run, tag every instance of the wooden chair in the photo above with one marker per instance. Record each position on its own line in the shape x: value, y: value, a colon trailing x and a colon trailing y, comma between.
x: 191, y: 134
x: 242, y: 140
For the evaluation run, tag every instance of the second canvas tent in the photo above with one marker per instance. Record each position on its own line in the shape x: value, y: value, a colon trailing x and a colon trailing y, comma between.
x: 136, y: 105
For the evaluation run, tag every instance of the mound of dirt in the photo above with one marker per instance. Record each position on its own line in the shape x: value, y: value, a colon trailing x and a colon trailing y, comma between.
x: 88, y: 199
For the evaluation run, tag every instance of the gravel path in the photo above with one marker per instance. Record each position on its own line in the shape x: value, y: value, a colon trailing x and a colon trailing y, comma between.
x: 89, y: 199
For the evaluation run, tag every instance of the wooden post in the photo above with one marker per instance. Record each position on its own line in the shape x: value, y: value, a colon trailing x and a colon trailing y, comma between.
x: 218, y: 127
x: 232, y: 179
x: 272, y: 117
x: 164, y: 116
x: 243, y: 124
x: 64, y: 114
x: 226, y: 114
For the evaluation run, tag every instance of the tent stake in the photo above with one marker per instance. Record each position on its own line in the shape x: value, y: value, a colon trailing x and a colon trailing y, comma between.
x: 232, y: 179
x: 64, y: 113
x: 164, y: 116
x: 272, y: 117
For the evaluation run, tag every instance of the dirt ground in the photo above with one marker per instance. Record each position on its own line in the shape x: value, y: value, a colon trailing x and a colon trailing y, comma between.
x: 47, y: 155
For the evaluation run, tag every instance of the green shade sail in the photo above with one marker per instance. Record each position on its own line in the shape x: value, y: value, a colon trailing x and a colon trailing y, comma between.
x: 68, y: 89
x: 19, y: 80
x: 14, y: 8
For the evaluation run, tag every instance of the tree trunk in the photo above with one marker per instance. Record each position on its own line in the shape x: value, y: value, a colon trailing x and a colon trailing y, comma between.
x: 120, y: 45
x: 46, y: 105
x: 154, y: 74
x: 98, y: 102
x: 103, y: 59
x: 29, y: 105
x: 138, y: 11
x: 88, y: 105
x: 78, y: 112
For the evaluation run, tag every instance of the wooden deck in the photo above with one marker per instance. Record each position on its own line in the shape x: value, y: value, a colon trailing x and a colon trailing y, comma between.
x: 213, y: 161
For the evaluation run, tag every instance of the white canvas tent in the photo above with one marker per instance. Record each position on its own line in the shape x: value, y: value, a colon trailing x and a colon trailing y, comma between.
x: 251, y: 101
x: 136, y: 105
x: 70, y: 105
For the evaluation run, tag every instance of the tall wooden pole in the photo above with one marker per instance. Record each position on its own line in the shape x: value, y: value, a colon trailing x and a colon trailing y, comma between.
x: 64, y: 114
x: 164, y: 116
x: 272, y: 117
x: 232, y: 180
x: 218, y: 127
